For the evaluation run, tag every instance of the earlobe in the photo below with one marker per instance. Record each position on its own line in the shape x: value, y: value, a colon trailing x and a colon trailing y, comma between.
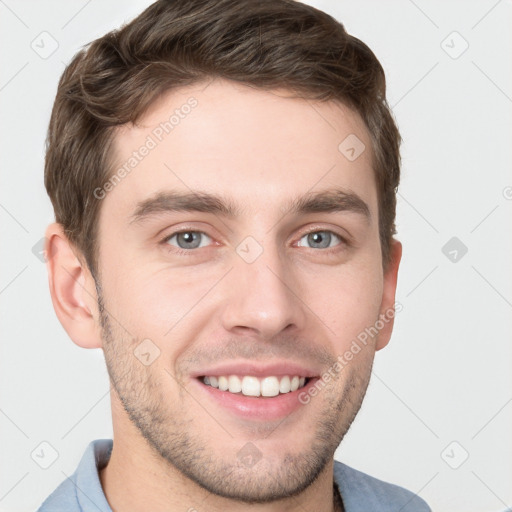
x: 72, y: 289
x: 387, y: 309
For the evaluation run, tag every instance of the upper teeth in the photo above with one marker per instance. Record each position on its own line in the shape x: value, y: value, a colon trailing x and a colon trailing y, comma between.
x: 253, y: 386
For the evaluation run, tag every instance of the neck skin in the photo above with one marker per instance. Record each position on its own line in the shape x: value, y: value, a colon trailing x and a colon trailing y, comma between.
x: 136, y: 480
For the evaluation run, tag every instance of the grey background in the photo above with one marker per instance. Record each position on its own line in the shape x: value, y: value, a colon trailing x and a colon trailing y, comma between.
x: 441, y: 391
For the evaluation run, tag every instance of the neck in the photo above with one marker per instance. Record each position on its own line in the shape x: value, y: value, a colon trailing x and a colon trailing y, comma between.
x: 137, y: 479
x: 134, y: 480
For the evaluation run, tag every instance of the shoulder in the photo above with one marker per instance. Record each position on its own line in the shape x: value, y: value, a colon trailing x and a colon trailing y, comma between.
x: 62, y: 499
x: 362, y: 492
x: 83, y: 488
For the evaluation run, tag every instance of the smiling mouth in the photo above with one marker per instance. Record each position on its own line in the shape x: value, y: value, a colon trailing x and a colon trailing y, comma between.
x: 256, y: 387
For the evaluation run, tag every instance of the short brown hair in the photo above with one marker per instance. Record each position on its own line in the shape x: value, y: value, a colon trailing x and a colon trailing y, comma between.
x: 268, y: 44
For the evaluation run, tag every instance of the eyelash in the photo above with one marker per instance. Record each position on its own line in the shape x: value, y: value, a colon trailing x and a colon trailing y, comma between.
x: 344, y: 243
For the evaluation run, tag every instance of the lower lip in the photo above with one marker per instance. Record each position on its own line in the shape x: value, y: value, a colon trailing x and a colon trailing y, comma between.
x: 258, y: 408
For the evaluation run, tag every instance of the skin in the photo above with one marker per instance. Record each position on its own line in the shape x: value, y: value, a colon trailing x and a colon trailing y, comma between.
x: 174, y: 447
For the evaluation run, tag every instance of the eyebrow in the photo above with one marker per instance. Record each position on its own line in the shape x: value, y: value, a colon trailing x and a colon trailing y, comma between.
x: 327, y: 201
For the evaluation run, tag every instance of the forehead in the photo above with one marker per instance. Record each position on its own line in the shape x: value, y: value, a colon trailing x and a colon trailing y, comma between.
x: 259, y: 147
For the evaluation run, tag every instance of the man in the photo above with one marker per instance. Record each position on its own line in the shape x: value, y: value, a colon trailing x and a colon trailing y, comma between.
x: 223, y: 175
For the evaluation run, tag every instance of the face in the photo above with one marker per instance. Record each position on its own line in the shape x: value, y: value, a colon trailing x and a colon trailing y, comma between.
x: 240, y: 250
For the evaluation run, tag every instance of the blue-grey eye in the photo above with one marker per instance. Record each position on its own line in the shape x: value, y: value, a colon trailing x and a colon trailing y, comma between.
x: 189, y: 239
x: 321, y: 239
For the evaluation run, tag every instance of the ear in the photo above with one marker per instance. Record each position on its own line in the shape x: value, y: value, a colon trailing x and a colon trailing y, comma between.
x: 72, y: 289
x: 387, y: 308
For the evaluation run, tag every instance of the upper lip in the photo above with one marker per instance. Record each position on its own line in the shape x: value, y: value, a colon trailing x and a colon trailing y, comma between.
x: 277, y: 369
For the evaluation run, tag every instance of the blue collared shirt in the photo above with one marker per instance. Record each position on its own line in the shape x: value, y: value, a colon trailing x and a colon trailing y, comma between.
x: 82, y: 491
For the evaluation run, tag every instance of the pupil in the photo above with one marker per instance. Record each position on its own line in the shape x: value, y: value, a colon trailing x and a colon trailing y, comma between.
x: 188, y: 237
x: 322, y: 239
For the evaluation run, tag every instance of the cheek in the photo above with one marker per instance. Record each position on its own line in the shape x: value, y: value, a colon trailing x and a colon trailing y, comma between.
x: 157, y: 304
x: 348, y: 301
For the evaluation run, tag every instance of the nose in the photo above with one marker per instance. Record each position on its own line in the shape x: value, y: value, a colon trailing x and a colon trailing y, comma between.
x: 263, y: 297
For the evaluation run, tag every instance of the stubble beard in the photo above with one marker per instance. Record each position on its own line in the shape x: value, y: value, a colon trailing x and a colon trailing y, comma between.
x: 176, y: 441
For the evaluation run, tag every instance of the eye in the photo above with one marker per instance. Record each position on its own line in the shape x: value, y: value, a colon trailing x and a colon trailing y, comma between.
x: 321, y: 239
x: 188, y: 239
